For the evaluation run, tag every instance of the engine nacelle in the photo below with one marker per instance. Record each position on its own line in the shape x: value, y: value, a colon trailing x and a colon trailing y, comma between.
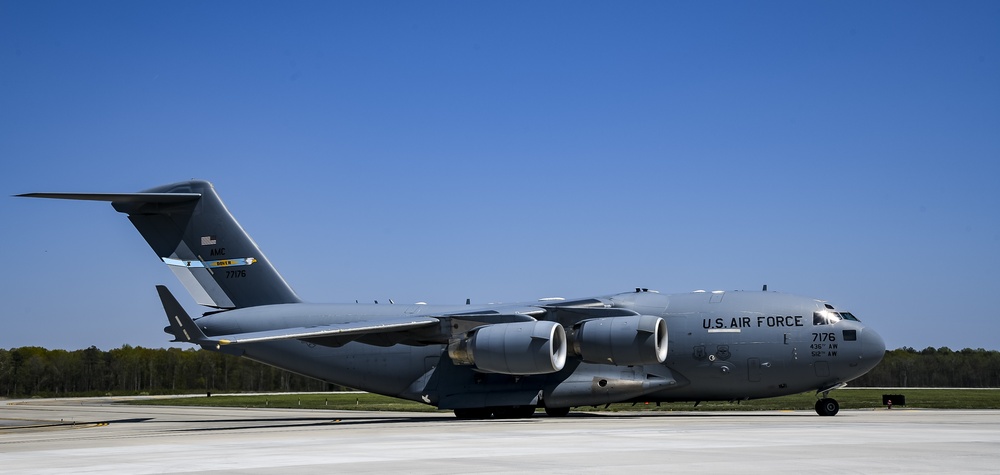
x: 630, y: 340
x: 520, y: 348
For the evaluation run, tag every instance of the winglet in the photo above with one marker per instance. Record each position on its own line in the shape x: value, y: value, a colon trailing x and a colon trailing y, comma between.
x: 181, y: 325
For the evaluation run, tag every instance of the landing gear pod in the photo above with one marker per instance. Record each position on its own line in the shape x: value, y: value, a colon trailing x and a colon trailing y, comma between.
x: 630, y: 340
x: 521, y: 348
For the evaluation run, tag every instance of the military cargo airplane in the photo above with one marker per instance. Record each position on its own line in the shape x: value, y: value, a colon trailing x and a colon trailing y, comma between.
x: 497, y: 360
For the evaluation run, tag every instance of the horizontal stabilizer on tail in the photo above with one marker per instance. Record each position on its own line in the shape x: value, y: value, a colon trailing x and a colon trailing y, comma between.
x: 119, y: 197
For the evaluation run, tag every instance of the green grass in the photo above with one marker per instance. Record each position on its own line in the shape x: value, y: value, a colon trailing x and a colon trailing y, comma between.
x: 848, y: 399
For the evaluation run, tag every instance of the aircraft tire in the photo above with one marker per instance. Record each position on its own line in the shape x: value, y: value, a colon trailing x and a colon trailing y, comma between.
x: 556, y: 411
x: 827, y: 407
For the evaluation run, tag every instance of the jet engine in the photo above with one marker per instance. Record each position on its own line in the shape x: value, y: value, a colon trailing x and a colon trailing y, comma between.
x: 521, y: 348
x: 626, y: 340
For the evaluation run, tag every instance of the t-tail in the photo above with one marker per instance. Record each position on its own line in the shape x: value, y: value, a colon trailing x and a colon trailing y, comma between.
x: 193, y: 233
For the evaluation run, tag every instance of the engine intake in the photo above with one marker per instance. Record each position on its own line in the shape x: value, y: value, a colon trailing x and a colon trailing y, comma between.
x: 628, y: 340
x: 520, y: 348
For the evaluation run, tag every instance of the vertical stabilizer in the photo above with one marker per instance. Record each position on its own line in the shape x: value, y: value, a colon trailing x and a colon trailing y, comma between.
x: 193, y: 233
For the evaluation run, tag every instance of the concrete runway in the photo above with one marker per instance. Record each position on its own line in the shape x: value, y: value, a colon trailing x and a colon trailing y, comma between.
x: 94, y: 436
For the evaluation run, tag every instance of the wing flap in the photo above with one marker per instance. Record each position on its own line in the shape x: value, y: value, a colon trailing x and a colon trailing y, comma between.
x: 364, y: 327
x: 184, y: 328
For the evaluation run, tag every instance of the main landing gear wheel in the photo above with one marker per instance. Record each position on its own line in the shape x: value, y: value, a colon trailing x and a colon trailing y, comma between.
x: 474, y: 413
x: 557, y: 411
x: 513, y: 412
x: 499, y: 412
x: 827, y: 407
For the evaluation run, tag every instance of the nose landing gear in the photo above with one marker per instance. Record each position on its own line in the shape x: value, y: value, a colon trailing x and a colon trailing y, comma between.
x: 827, y: 407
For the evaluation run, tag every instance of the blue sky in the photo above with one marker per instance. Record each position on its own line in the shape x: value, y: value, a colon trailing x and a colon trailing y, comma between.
x: 508, y: 151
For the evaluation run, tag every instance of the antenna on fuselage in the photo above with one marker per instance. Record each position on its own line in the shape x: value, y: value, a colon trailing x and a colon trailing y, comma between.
x: 764, y: 289
x: 468, y: 301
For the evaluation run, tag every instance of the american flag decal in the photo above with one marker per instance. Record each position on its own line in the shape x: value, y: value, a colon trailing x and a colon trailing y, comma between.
x: 208, y: 240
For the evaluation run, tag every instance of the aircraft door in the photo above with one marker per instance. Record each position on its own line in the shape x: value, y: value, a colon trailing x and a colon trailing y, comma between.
x: 822, y: 369
x: 753, y: 370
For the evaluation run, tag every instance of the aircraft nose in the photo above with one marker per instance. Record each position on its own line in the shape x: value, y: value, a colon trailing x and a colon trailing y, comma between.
x: 872, y: 346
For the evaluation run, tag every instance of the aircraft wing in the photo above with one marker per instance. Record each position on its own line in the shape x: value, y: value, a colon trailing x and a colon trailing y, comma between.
x: 378, y: 330
x: 385, y: 330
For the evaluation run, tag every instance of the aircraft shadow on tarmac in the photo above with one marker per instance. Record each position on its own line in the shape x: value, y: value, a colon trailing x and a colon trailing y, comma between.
x: 291, y: 422
x: 352, y: 420
x: 250, y: 423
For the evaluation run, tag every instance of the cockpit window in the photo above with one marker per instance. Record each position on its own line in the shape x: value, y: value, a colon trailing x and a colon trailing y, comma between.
x: 849, y: 316
x: 825, y: 317
x: 829, y: 317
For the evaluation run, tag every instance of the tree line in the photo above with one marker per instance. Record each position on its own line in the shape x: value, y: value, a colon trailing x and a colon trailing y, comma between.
x: 33, y: 371
x: 935, y: 368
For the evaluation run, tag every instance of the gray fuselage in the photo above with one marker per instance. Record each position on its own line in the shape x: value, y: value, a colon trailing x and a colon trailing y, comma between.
x: 722, y: 346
